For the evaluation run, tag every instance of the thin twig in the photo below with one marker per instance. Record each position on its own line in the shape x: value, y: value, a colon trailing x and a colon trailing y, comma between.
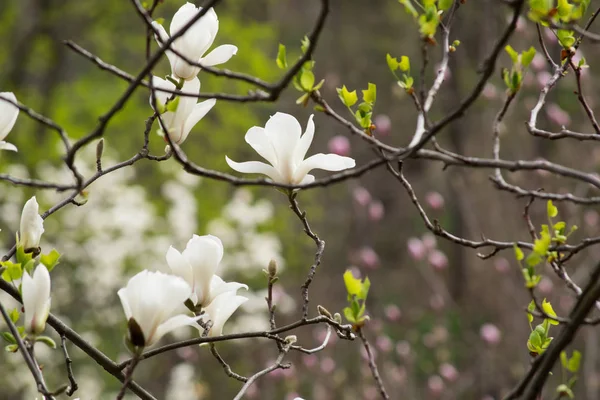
x: 373, y: 365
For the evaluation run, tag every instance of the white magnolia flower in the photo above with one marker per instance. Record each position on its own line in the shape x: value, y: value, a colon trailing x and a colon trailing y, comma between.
x: 32, y: 225
x: 220, y: 309
x: 188, y: 113
x: 197, y: 264
x: 154, y: 300
x: 281, y: 144
x: 36, y: 299
x: 194, y: 42
x: 8, y: 117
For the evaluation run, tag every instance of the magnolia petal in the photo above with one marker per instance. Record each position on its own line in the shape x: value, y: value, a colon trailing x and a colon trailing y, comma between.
x: 328, y: 162
x: 211, y: 21
x: 7, y: 146
x: 219, y: 55
x: 221, y: 309
x: 197, y: 113
x: 185, y: 13
x: 122, y: 293
x: 305, y: 141
x: 161, y: 97
x: 255, y: 167
x: 32, y: 225
x: 161, y: 37
x: 8, y: 113
x: 284, y: 132
x: 36, y: 298
x: 307, y: 179
x: 167, y: 326
x: 257, y: 138
x: 204, y: 253
x: 180, y: 266
x: 219, y: 286
x: 28, y: 295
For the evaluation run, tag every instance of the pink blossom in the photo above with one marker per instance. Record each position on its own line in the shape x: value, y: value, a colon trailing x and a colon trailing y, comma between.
x: 438, y: 260
x: 362, y: 196
x: 557, y: 115
x: 403, y: 348
x: 327, y: 365
x: 376, y: 210
x: 591, y: 218
x: 489, y: 91
x: 545, y: 286
x: 490, y: 334
x: 429, y: 241
x: 368, y: 257
x: 448, y: 372
x: 310, y: 360
x: 392, y: 312
x: 435, y: 200
x: 435, y: 385
x: 339, y: 145
x: 416, y: 248
x: 383, y: 124
x: 502, y: 264
x: 396, y: 374
x: 384, y: 343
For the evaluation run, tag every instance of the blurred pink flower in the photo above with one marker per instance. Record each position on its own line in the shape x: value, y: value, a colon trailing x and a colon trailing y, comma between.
x: 543, y: 77
x: 591, y: 218
x: 384, y: 343
x: 392, y: 312
x: 403, y: 348
x: 416, y: 248
x: 362, y: 196
x: 448, y: 372
x: 429, y: 241
x: 310, y: 360
x: 434, y: 200
x: 557, y: 114
x: 489, y: 91
x: 438, y: 260
x: 539, y: 62
x: 327, y: 365
x: 435, y: 385
x: 502, y: 264
x: 339, y: 145
x: 490, y: 334
x: 368, y: 257
x: 429, y: 340
x: 370, y: 393
x: 383, y: 124
x: 376, y: 210
x: 550, y: 36
x: 545, y: 286
x: 437, y: 302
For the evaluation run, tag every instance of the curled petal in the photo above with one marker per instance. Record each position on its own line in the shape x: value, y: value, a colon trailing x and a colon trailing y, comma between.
x: 219, y: 55
x: 305, y: 141
x: 257, y: 138
x: 197, y: 113
x: 7, y: 146
x: 180, y: 266
x: 171, y: 324
x: 161, y: 37
x: 8, y: 114
x: 328, y: 162
x: 255, y: 167
x: 221, y: 308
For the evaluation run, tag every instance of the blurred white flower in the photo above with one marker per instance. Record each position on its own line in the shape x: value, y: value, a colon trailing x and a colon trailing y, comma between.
x: 153, y: 305
x: 220, y: 309
x: 187, y: 113
x: 8, y: 117
x: 197, y: 265
x: 36, y: 299
x: 32, y: 225
x: 194, y: 42
x: 282, y: 144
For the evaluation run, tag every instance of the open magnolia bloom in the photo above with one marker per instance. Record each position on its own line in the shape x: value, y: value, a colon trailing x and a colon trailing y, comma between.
x: 36, y: 299
x: 186, y: 112
x: 197, y: 264
x: 194, y: 42
x: 281, y: 144
x: 153, y: 305
x: 8, y: 117
x: 220, y: 309
x: 32, y: 226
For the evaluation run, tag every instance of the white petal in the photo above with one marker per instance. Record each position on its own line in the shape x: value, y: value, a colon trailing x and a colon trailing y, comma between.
x: 7, y: 146
x: 328, y: 162
x: 204, y: 253
x: 257, y: 138
x: 305, y: 141
x: 219, y: 55
x: 284, y: 132
x: 36, y: 299
x: 163, y: 36
x: 221, y: 308
x: 169, y: 325
x: 161, y: 97
x: 185, y: 13
x: 198, y: 112
x: 28, y: 291
x: 255, y: 167
x: 8, y: 114
x: 212, y: 24
x: 307, y: 179
x: 180, y: 266
x: 32, y: 225
x: 122, y: 293
x: 219, y: 286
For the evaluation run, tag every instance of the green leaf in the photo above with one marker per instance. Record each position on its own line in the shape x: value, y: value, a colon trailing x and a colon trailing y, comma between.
x: 173, y: 104
x: 409, y: 8
x: 530, y: 308
x: 574, y: 362
x: 48, y: 341
x: 547, y: 307
x: 50, y: 260
x: 14, y: 315
x: 22, y: 257
x: 8, y: 337
x: 307, y: 80
x: 552, y: 210
x: 514, y: 56
x: 445, y: 4
x: 518, y: 253
x: 527, y: 57
x: 12, y: 272
x: 12, y: 348
x: 563, y: 359
x: 353, y: 285
x: 364, y: 291
x: 349, y: 315
x: 281, y: 59
x: 392, y: 62
x: 565, y: 38
x: 535, y: 339
x: 319, y: 85
x: 370, y: 95
x: 564, y: 390
x: 160, y: 21
x: 533, y: 259
x: 564, y: 10
x: 303, y: 99
x: 305, y: 44
x: 404, y: 64
x: 348, y: 98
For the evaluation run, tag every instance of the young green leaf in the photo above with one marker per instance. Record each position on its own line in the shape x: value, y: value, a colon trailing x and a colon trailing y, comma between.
x: 307, y: 80
x: 552, y: 210
x: 370, y: 95
x: 574, y: 362
x: 348, y: 98
x: 392, y: 62
x: 547, y: 307
x: 445, y: 4
x: 404, y: 64
x: 353, y: 285
x: 518, y: 253
x: 527, y: 57
x: 50, y: 260
x: 514, y: 56
x: 281, y: 59
x: 409, y: 8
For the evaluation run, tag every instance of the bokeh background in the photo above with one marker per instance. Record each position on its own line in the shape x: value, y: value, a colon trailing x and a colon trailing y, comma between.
x: 445, y: 324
